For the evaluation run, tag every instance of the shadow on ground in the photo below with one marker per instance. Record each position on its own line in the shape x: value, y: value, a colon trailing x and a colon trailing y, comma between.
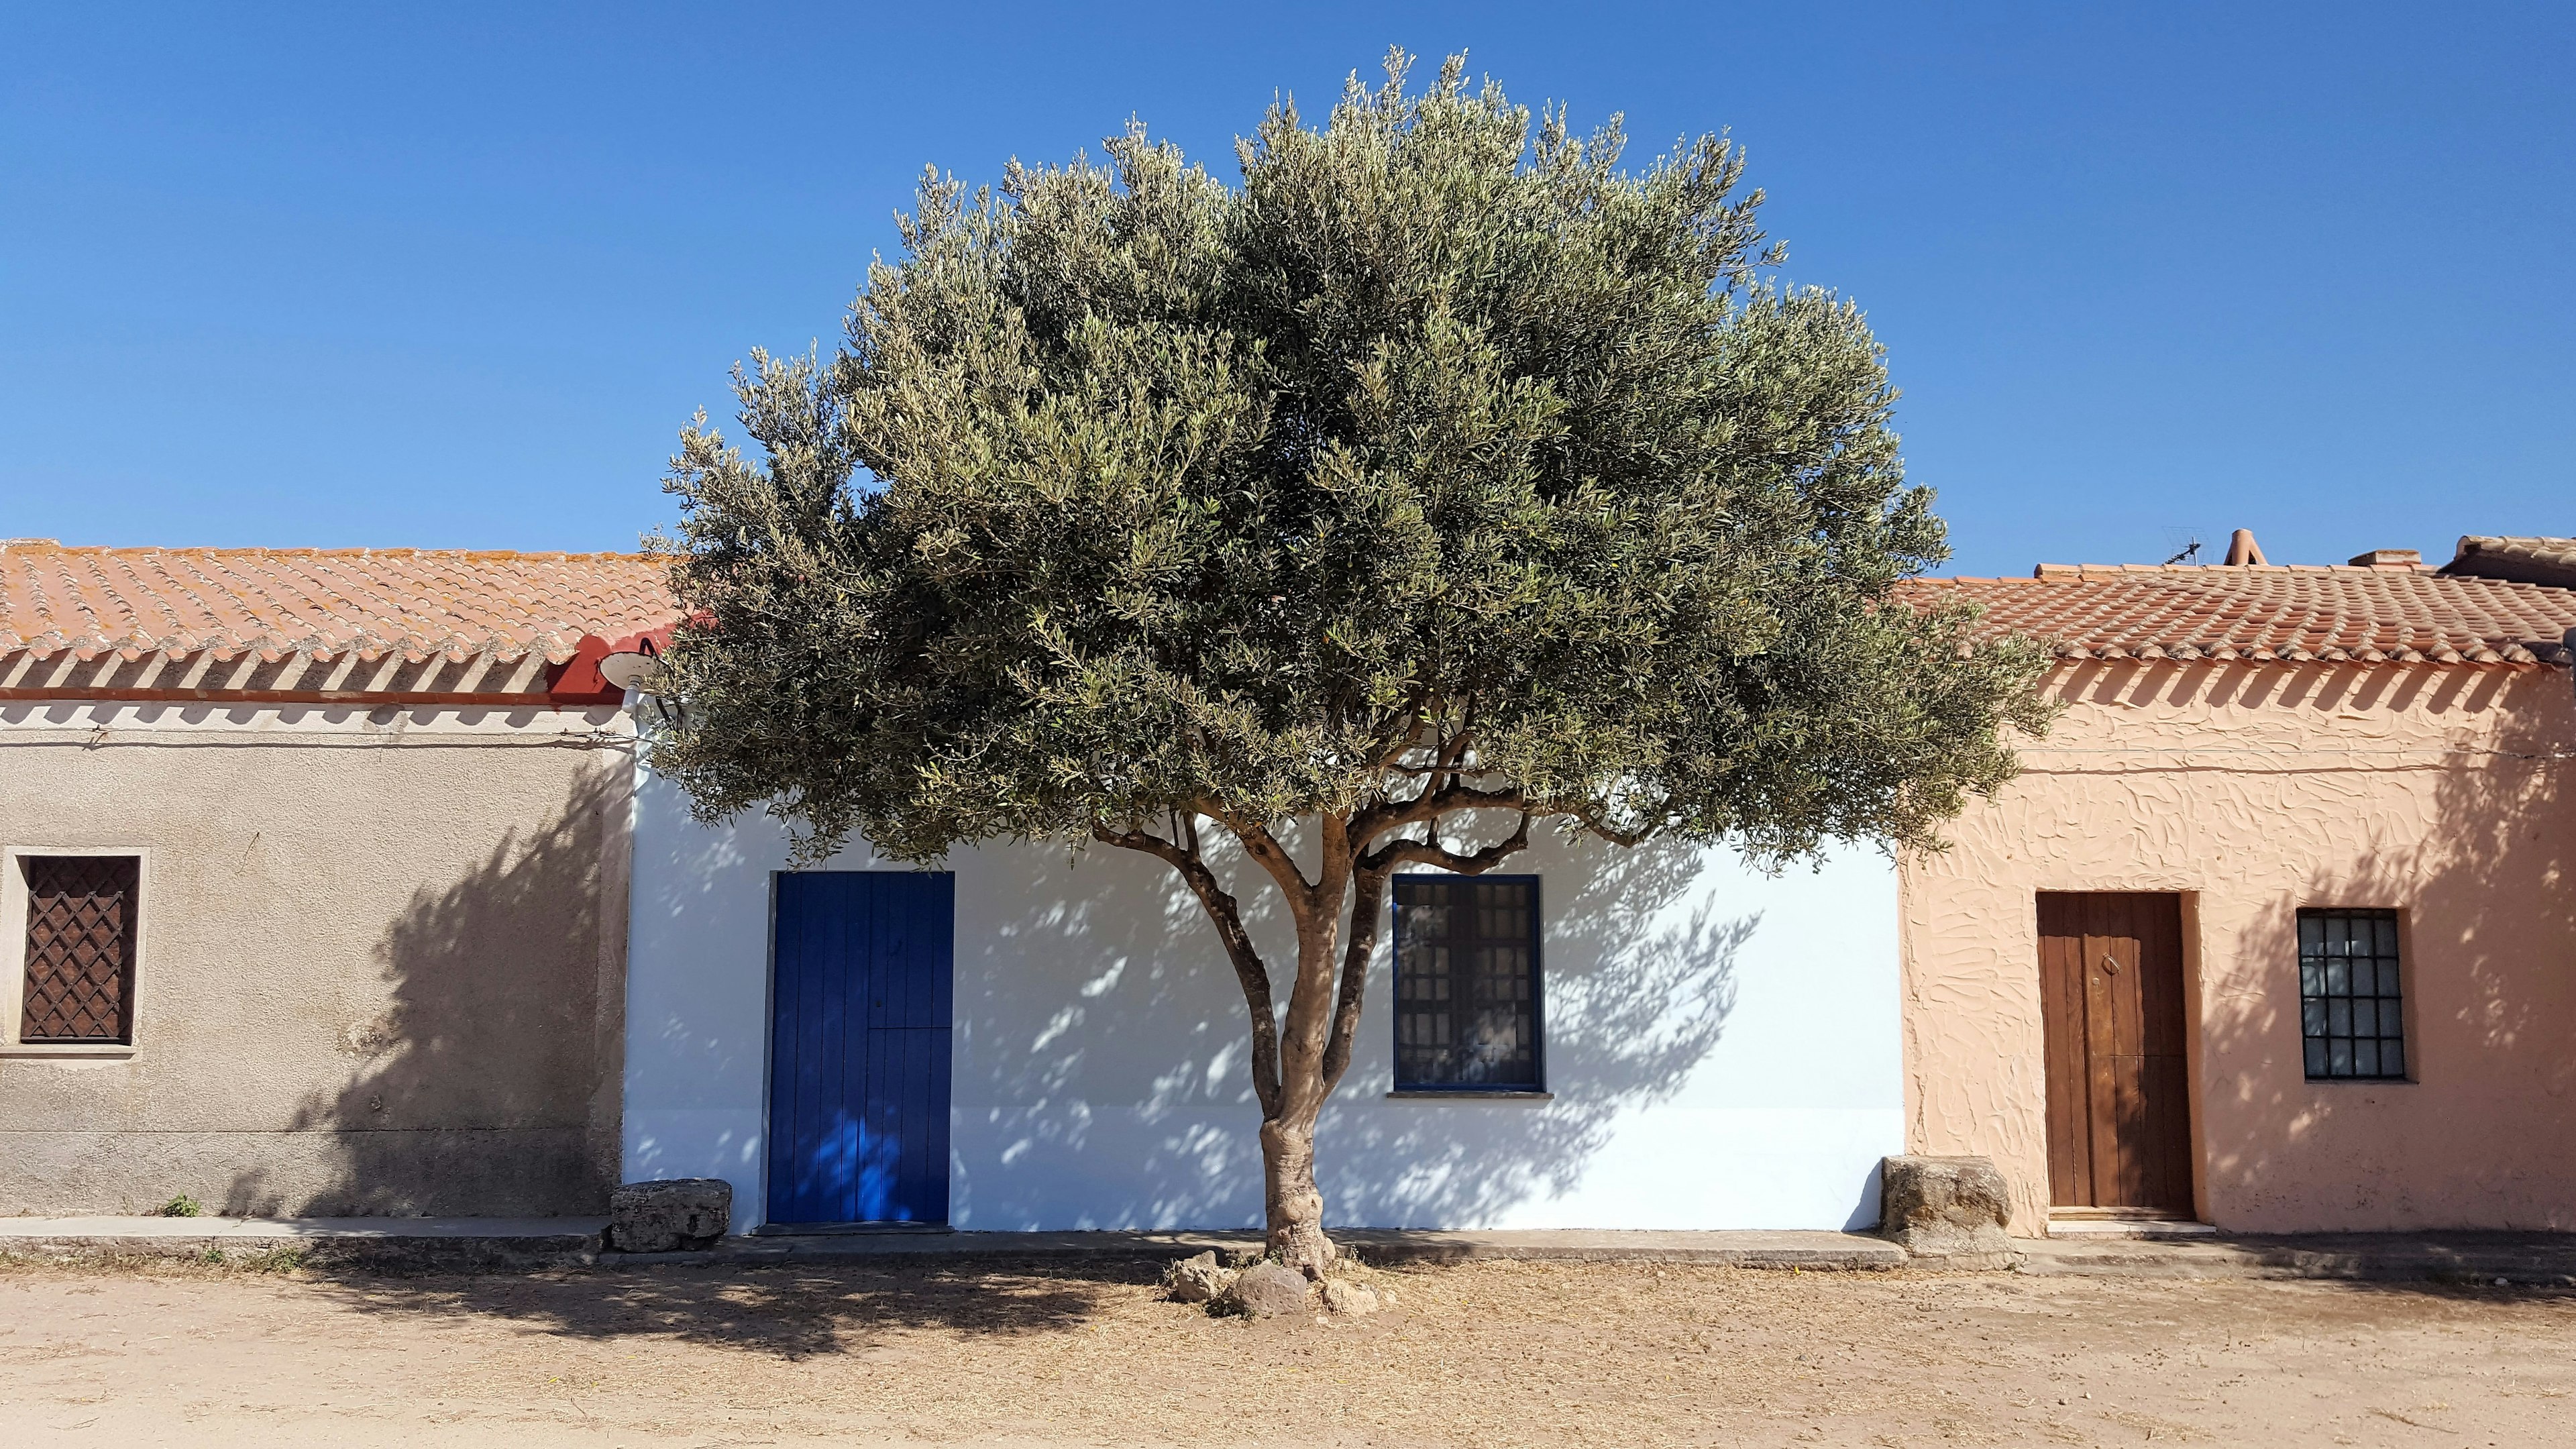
x: 792, y: 1313
x: 805, y: 1311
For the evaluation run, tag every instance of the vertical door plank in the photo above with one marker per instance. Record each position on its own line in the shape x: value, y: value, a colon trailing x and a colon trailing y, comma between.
x: 870, y: 926
x: 849, y: 1037
x: 2101, y: 1051
x: 2061, y: 1003
x: 887, y: 1082
x: 805, y: 1120
x: 2165, y: 1050
x: 782, y: 1050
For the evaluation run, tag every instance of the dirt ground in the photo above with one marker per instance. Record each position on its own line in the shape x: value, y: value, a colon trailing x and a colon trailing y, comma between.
x: 1474, y: 1354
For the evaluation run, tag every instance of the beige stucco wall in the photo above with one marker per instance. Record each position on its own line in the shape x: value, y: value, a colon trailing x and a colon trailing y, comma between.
x: 382, y: 959
x: 2448, y: 794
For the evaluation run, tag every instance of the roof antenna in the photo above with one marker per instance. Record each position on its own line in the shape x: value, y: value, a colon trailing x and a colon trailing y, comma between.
x: 2189, y: 552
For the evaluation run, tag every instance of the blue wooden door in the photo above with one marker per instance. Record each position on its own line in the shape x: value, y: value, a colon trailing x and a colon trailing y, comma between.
x: 858, y: 1056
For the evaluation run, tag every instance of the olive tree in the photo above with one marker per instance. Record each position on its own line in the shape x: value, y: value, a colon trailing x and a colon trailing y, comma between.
x: 1437, y: 481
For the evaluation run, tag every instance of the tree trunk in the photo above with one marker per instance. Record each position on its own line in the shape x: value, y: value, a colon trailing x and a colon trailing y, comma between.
x: 1293, y: 1205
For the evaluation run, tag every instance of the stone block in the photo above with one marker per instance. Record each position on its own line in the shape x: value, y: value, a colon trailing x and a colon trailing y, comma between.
x: 1195, y: 1280
x: 1266, y: 1290
x: 1344, y: 1296
x: 672, y: 1215
x: 1947, y: 1211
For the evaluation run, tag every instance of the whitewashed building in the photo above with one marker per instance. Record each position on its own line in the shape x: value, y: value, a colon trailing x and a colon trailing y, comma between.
x: 1029, y: 1041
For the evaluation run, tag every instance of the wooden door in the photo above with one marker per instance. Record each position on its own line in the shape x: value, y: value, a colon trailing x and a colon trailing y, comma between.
x: 859, y: 1047
x: 2111, y: 1000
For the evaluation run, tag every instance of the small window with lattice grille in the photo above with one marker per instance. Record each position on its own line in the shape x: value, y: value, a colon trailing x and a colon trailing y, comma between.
x: 82, y: 915
x: 2352, y: 1017
x: 1466, y: 983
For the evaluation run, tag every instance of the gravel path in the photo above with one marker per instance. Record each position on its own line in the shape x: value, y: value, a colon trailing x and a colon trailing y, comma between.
x: 1474, y: 1354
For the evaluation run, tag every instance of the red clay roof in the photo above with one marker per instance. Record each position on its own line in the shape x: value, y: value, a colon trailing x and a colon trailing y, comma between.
x: 2274, y: 611
x: 2524, y: 560
x: 416, y: 602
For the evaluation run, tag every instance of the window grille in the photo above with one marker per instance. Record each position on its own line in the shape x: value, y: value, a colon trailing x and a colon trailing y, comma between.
x: 1466, y: 983
x: 80, y: 948
x: 2351, y: 1006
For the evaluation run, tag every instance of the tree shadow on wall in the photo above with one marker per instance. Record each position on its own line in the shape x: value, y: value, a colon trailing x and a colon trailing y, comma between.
x: 1641, y: 984
x: 482, y: 1065
x: 2482, y: 870
x: 1105, y: 1060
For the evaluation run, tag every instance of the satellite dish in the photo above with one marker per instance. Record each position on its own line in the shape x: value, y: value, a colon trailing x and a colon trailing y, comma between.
x: 626, y: 671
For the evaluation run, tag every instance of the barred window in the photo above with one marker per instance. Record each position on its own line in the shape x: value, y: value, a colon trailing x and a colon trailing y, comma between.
x: 2351, y: 1007
x: 81, y: 917
x: 1466, y: 983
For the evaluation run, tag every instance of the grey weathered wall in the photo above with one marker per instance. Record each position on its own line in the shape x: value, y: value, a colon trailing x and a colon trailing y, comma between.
x: 382, y: 964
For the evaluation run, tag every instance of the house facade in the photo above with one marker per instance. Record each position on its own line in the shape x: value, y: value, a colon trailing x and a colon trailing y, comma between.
x: 1023, y: 1039
x: 314, y: 878
x: 340, y: 883
x: 2277, y: 930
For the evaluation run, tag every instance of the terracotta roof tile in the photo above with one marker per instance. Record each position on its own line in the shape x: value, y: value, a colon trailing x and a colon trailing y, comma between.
x: 2523, y: 560
x: 273, y: 601
x: 2275, y: 612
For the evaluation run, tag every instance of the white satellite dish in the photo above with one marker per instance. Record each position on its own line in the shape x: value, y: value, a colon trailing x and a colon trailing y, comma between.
x: 626, y: 671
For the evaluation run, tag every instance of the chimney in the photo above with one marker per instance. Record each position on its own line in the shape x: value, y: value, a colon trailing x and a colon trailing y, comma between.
x: 2242, y: 549
x: 2388, y: 558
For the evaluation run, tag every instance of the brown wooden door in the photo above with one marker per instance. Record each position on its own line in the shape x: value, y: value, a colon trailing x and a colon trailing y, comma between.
x: 2119, y: 1104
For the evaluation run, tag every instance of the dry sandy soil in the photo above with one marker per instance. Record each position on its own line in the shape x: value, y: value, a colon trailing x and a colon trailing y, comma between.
x: 1475, y: 1354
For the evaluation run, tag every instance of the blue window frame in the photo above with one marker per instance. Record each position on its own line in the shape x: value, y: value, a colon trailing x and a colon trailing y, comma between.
x: 1467, y: 985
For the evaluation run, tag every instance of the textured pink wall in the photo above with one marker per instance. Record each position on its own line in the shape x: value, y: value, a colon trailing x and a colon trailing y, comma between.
x: 2448, y: 794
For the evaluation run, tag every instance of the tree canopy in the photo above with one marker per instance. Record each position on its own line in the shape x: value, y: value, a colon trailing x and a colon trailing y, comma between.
x: 1440, y: 466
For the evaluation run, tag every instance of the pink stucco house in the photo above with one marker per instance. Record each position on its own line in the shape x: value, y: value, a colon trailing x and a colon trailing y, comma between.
x: 2277, y: 931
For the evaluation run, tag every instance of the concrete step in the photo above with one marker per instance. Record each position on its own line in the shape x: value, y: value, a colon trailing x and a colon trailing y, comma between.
x: 2468, y: 1258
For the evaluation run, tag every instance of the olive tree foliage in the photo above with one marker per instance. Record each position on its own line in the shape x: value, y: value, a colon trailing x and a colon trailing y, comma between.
x: 1438, y: 480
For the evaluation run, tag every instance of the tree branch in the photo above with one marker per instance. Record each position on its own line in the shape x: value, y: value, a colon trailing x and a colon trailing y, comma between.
x: 1631, y: 838
x: 1432, y: 803
x: 1270, y: 855
x: 1368, y: 903
x: 1431, y: 852
x: 1228, y: 916
x: 1402, y: 726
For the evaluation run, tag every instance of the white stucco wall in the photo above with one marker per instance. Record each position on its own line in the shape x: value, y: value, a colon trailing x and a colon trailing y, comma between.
x: 1722, y: 1047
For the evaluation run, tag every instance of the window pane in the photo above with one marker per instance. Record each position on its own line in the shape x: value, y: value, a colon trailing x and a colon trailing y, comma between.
x: 1467, y: 967
x: 2351, y: 1015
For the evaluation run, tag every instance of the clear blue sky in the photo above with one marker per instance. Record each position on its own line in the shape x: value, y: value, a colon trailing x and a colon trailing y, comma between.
x: 335, y: 275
